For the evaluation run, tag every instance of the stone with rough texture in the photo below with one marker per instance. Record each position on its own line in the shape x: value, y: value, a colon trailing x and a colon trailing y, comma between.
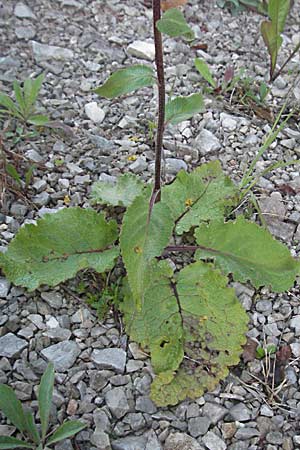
x: 198, y: 426
x: 213, y: 442
x: 11, y: 345
x: 4, y: 287
x: 110, y: 358
x: 214, y: 412
x: 206, y: 142
x: 101, y: 440
x: 240, y: 412
x: 130, y: 443
x: 117, y: 402
x: 44, y: 52
x: 23, y: 11
x: 142, y: 50
x: 63, y: 355
x: 181, y: 441
x: 54, y: 299
x: 94, y: 113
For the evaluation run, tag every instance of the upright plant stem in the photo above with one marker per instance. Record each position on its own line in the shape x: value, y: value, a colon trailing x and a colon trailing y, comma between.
x: 156, y: 6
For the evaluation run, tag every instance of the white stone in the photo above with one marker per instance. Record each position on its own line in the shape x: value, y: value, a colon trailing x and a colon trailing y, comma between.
x: 142, y: 50
x: 296, y: 349
x: 44, y: 52
x: 206, y: 142
x: 94, y: 113
x: 23, y: 11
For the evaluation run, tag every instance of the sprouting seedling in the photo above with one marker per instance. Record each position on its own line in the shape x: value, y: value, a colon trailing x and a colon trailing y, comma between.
x: 24, y: 107
x: 31, y: 436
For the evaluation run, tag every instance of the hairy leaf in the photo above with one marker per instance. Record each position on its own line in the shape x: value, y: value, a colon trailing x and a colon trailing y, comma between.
x: 142, y: 239
x: 126, y: 80
x: 183, y: 108
x: 157, y: 325
x: 200, y: 196
x: 214, y: 324
x: 58, y: 246
x: 45, y: 397
x: 122, y: 193
x: 271, y: 30
x: 11, y: 407
x: 7, y: 442
x: 173, y: 24
x: 249, y: 252
x: 203, y: 68
x: 66, y: 430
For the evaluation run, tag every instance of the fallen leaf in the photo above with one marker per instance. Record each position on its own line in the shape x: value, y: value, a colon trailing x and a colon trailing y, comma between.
x: 200, y: 47
x: 249, y: 352
x: 283, y: 355
x: 168, y: 4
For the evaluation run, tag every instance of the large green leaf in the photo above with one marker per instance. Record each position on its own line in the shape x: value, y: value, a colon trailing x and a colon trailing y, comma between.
x: 214, y: 324
x: 271, y: 30
x: 58, y: 246
x: 157, y: 325
x: 183, y: 108
x: 200, y: 196
x: 173, y: 24
x: 249, y: 252
x: 142, y: 239
x: 193, y: 312
x: 203, y: 68
x: 45, y: 397
x: 126, y: 80
x: 11, y: 407
x: 65, y: 431
x: 7, y: 442
x: 122, y: 193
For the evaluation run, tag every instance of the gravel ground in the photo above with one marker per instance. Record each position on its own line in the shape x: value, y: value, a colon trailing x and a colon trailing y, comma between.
x: 101, y: 378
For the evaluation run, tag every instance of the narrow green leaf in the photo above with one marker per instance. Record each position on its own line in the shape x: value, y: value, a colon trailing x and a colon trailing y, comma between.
x: 278, y: 11
x: 65, y: 431
x: 39, y: 120
x: 11, y: 407
x: 28, y: 175
x: 203, y: 68
x: 11, y: 107
x: 45, y: 394
x: 59, y: 246
x: 126, y: 80
x: 32, y: 88
x: 200, y: 196
x: 142, y: 239
x: 249, y: 252
x: 12, y: 171
x: 7, y: 442
x: 183, y: 108
x: 19, y: 96
x: 31, y: 428
x: 173, y: 24
x: 122, y: 193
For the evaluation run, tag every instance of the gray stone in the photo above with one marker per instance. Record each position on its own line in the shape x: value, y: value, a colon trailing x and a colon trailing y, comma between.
x: 264, y: 306
x: 198, y: 426
x: 39, y: 186
x: 295, y: 323
x: 18, y: 209
x: 98, y: 381
x: 101, y: 143
x: 44, y: 52
x: 173, y: 165
x: 272, y: 207
x: 152, y: 442
x: 101, y: 440
x: 214, y: 412
x: 136, y: 421
x: 26, y: 33
x: 206, y: 142
x: 141, y: 49
x: 101, y: 420
x: 41, y: 199
x: 266, y: 411
x: 240, y: 412
x: 295, y: 348
x: 34, y: 156
x: 213, y: 442
x: 54, y: 299
x: 229, y: 123
x: 11, y: 346
x: 274, y: 437
x: 138, y: 166
x: 110, y: 358
x: 117, y: 402
x: 130, y: 443
x: 246, y: 433
x: 94, y: 112
x: 64, y: 445
x: 22, y: 11
x: 58, y: 334
x: 4, y: 287
x: 181, y: 441
x: 63, y: 355
x: 145, y: 404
